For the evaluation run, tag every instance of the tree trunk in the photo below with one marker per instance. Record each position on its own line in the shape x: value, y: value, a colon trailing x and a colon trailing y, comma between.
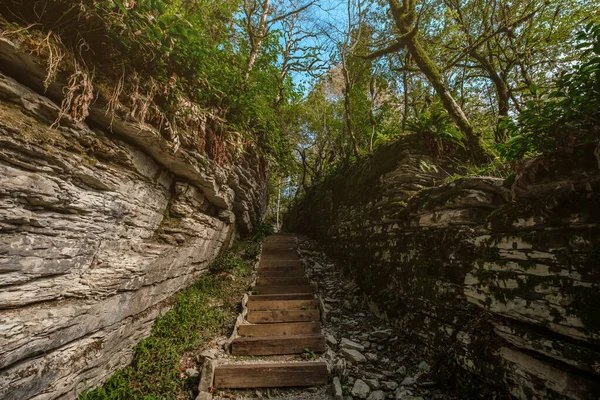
x: 256, y: 38
x: 430, y: 70
x: 406, y: 96
x: 373, y: 92
x: 278, y: 202
x: 503, y: 93
x: 347, y: 110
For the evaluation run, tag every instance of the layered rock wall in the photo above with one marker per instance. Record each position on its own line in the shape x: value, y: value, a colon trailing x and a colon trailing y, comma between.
x: 101, y: 223
x: 503, y: 281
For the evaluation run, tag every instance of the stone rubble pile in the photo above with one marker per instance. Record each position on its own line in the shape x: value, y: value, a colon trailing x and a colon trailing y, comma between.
x: 368, y: 358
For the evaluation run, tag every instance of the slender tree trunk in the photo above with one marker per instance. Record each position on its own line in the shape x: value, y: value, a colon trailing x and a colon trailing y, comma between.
x: 278, y: 202
x: 430, y: 70
x: 256, y: 38
x: 373, y: 92
x: 347, y: 109
x: 503, y: 94
x: 406, y: 97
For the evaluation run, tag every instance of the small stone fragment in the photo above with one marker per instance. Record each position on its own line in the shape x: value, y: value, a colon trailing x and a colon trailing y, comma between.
x: 377, y: 395
x: 408, y: 381
x: 353, y: 355
x: 337, y: 389
x: 192, y: 372
x: 209, y: 354
x: 383, y: 334
x: 360, y: 389
x: 403, y: 394
x: 389, y: 385
x: 424, y: 367
x: 349, y: 344
x: 331, y: 340
x: 373, y: 383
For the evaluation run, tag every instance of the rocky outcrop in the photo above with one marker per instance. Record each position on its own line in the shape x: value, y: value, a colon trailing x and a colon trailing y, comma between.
x: 498, y: 277
x: 101, y: 223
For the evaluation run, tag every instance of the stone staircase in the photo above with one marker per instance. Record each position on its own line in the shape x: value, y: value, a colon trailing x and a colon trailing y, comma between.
x: 283, y: 319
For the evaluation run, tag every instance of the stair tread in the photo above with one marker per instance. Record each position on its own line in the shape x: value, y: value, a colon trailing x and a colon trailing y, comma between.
x: 281, y: 296
x: 277, y: 345
x: 274, y: 316
x: 287, y: 289
x: 270, y: 305
x: 282, y: 281
x: 284, y: 337
x: 280, y: 329
x: 263, y: 375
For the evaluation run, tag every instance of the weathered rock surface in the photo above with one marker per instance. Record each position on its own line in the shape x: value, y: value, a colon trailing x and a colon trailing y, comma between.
x: 98, y: 230
x: 508, y: 290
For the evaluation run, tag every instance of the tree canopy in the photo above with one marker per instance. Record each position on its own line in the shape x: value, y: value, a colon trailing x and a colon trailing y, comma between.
x: 318, y: 85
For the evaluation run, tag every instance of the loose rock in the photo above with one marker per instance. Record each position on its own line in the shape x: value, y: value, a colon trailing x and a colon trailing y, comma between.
x: 337, y: 389
x: 389, y: 385
x: 360, y: 389
x: 373, y: 383
x: 377, y: 395
x: 353, y: 356
x: 349, y: 344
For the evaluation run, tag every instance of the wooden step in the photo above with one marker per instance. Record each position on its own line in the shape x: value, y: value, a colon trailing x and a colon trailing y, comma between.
x: 281, y: 239
x: 283, y: 329
x: 239, y: 376
x: 273, y: 316
x: 277, y: 281
x: 283, y: 273
x: 284, y: 258
x: 282, y: 253
x: 283, y: 305
x: 270, y: 289
x: 281, y: 296
x: 277, y: 345
x: 281, y: 269
x: 284, y: 244
x: 280, y: 263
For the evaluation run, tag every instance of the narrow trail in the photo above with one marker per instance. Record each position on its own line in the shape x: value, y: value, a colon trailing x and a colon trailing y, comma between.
x: 306, y: 332
x: 279, y: 328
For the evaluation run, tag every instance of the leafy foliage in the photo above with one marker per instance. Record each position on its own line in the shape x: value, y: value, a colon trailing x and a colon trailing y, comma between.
x: 188, y: 58
x: 438, y: 129
x: 565, y: 116
x: 262, y: 231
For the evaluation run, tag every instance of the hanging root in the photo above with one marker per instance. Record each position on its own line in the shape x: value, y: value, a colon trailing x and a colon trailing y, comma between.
x: 55, y: 57
x: 79, y: 94
x: 141, y: 103
x: 113, y: 102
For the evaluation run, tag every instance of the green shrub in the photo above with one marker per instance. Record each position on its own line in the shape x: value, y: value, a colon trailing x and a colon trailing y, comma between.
x: 439, y: 131
x: 261, y: 231
x: 565, y: 116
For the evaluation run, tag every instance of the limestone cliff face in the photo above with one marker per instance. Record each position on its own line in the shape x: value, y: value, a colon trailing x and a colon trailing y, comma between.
x: 99, y: 226
x: 505, y: 286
